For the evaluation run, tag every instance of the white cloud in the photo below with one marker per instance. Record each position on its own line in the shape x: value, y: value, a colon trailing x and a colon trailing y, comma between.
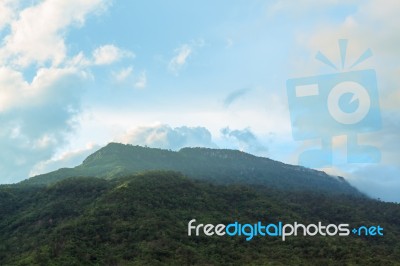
x: 16, y: 93
x: 104, y: 55
x: 37, y: 35
x: 141, y: 80
x: 182, y: 54
x: 79, y: 60
x: 36, y: 118
x: 127, y: 77
x: 13, y: 87
x: 108, y: 54
x: 164, y: 136
x: 180, y: 58
x: 65, y: 159
x: 7, y: 11
x: 245, y: 140
x: 123, y: 74
x: 167, y: 137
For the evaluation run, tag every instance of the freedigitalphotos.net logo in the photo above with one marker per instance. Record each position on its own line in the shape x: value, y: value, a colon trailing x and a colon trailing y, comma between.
x: 280, y: 230
x: 343, y: 103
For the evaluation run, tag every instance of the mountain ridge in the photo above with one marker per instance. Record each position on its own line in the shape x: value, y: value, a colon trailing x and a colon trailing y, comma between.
x: 216, y: 165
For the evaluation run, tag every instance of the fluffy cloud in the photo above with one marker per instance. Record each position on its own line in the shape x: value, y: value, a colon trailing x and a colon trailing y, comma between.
x: 166, y: 137
x: 37, y: 33
x: 48, y: 84
x: 245, y: 140
x: 109, y: 54
x: 36, y: 118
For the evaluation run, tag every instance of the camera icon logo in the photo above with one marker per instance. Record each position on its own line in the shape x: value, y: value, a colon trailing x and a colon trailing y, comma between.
x: 325, y: 106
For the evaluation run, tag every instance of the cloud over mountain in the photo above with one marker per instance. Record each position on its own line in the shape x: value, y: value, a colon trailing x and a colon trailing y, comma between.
x: 167, y: 137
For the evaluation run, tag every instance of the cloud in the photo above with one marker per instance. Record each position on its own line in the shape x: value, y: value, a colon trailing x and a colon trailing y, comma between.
x: 12, y: 86
x: 37, y: 118
x: 166, y: 137
x: 65, y: 159
x: 37, y: 35
x: 378, y: 182
x: 102, y: 56
x: 182, y: 54
x: 7, y: 11
x: 180, y: 58
x: 16, y: 93
x: 375, y: 180
x: 108, y: 54
x: 245, y: 140
x: 123, y: 74
x: 127, y: 77
x: 79, y: 60
x: 235, y: 95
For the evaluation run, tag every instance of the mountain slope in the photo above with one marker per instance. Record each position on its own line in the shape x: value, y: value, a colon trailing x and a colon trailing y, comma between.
x: 142, y: 220
x: 220, y: 166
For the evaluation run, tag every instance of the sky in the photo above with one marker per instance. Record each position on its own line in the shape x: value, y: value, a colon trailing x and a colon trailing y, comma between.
x: 78, y: 74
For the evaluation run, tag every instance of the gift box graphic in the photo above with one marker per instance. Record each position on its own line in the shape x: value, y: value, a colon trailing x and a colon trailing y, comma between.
x: 344, y: 103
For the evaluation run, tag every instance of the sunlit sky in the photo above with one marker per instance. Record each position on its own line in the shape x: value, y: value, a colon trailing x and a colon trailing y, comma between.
x: 78, y: 74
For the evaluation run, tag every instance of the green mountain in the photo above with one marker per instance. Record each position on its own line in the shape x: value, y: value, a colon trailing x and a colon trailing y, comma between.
x: 130, y: 205
x: 142, y: 220
x: 216, y: 165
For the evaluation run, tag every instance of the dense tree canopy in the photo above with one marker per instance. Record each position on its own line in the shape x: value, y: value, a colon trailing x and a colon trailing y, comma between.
x: 142, y: 219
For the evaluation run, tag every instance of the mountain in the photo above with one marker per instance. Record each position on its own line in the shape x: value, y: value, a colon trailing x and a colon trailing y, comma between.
x: 142, y: 220
x: 130, y: 205
x: 220, y: 166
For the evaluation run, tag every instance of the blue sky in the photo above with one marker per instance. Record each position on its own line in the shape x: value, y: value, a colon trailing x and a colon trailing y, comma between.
x: 76, y: 75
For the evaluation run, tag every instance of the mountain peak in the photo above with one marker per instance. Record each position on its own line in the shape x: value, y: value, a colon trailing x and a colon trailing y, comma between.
x: 221, y: 166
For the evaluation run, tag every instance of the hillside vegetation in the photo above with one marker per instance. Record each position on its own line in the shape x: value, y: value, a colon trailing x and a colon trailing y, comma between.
x: 130, y: 205
x: 142, y: 220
